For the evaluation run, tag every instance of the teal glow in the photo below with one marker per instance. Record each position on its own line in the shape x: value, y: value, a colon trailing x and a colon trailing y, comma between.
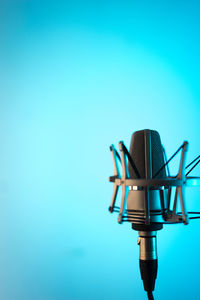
x: 76, y: 77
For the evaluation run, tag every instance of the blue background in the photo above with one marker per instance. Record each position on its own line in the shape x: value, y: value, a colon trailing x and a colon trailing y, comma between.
x: 77, y: 76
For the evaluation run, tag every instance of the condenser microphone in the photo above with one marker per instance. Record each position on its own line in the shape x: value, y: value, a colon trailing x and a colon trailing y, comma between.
x: 146, y: 153
x: 146, y: 194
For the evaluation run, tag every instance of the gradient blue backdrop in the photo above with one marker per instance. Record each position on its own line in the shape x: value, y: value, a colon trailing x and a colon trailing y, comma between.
x: 77, y: 76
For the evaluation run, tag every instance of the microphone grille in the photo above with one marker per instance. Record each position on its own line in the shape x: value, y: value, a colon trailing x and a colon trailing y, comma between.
x: 139, y: 148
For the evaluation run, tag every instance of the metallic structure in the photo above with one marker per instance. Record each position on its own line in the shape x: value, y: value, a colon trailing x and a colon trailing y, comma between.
x: 160, y: 211
x: 148, y: 201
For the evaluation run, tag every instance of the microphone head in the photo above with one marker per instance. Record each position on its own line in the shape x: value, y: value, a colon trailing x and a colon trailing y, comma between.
x: 146, y: 152
x: 146, y: 159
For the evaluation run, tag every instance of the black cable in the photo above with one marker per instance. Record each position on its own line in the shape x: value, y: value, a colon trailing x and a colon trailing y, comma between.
x: 165, y: 157
x: 168, y: 161
x: 192, y: 162
x: 150, y: 295
x: 193, y: 168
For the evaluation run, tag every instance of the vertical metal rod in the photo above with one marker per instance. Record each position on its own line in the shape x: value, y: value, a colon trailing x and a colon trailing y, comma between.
x: 114, y: 158
x: 181, y: 189
x: 148, y: 172
x: 124, y: 176
x: 163, y: 202
x: 181, y: 173
x: 114, y: 197
x: 117, y: 174
x: 169, y: 199
x: 175, y: 202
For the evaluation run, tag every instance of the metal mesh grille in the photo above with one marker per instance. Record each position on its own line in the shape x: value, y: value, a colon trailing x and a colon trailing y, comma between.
x: 137, y: 153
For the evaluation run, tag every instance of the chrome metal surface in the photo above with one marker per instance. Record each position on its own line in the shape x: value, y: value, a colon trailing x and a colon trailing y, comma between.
x: 148, y: 245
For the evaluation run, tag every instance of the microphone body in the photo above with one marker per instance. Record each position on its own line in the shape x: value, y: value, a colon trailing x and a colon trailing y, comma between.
x: 147, y: 153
